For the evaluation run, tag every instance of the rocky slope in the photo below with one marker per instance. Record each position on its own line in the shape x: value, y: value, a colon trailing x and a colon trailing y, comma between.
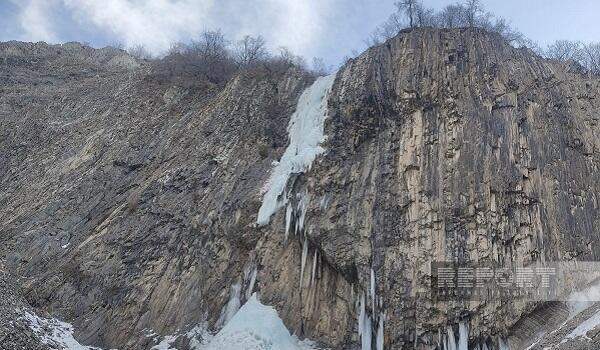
x: 15, y: 332
x: 129, y: 201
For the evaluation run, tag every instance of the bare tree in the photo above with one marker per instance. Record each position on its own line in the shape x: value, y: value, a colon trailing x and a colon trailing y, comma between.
x: 564, y: 50
x: 510, y: 34
x: 211, y: 55
x: 587, y: 55
x: 473, y: 8
x: 139, y: 52
x: 211, y: 44
x: 250, y: 50
x: 590, y: 57
x: 453, y: 16
x: 425, y: 17
x: 177, y: 48
x: 388, y: 29
x: 408, y: 7
x: 467, y: 13
x: 287, y: 57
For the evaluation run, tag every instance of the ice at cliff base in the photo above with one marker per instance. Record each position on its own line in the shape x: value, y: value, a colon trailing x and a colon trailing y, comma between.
x: 256, y: 327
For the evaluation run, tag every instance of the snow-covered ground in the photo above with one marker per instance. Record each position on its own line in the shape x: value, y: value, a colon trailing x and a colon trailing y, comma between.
x: 54, y: 333
x: 253, y: 327
x: 256, y: 327
x: 586, y: 326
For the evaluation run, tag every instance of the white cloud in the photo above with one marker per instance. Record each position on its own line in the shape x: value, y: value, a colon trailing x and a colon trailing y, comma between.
x: 156, y: 24
x: 35, y: 20
x: 153, y: 23
x: 297, y: 24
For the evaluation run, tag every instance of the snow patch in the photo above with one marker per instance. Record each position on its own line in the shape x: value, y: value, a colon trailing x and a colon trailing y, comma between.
x: 54, y: 333
x: 586, y: 326
x: 198, y: 337
x: 165, y: 343
x: 305, y: 131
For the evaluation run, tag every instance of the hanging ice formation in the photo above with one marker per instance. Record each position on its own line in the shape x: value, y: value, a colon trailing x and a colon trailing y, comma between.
x: 232, y: 306
x: 502, y: 344
x: 314, y: 268
x: 364, y: 324
x: 380, y: 332
x: 449, y: 340
x: 305, y: 131
x: 250, y: 273
x: 463, y: 336
x: 372, y: 290
x: 367, y: 322
x: 304, y: 256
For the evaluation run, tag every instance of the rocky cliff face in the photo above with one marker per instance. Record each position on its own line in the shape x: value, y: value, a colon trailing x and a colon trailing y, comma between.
x: 129, y: 202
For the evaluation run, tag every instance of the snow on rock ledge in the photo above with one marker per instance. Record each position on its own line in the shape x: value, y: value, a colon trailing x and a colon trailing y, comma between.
x: 305, y: 131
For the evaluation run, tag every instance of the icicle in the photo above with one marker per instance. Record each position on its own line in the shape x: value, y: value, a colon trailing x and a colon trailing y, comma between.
x: 364, y: 324
x: 415, y: 340
x: 380, y: 332
x: 250, y: 288
x: 484, y: 347
x: 323, y: 202
x: 296, y: 227
x: 305, y: 133
x: 366, y: 334
x: 288, y: 220
x: 373, y: 291
x: 451, y: 345
x: 361, y: 313
x: 232, y: 306
x: 302, y: 205
x: 314, y: 268
x: 304, y: 256
x: 502, y: 344
x: 463, y: 336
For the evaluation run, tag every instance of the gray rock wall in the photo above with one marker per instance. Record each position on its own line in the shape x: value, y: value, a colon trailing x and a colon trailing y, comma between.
x: 128, y: 203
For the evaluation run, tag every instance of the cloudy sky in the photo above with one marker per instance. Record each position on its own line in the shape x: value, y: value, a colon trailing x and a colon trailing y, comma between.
x: 323, y: 28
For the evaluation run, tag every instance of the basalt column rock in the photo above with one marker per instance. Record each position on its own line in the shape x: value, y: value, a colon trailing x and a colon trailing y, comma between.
x: 128, y: 201
x: 450, y: 145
